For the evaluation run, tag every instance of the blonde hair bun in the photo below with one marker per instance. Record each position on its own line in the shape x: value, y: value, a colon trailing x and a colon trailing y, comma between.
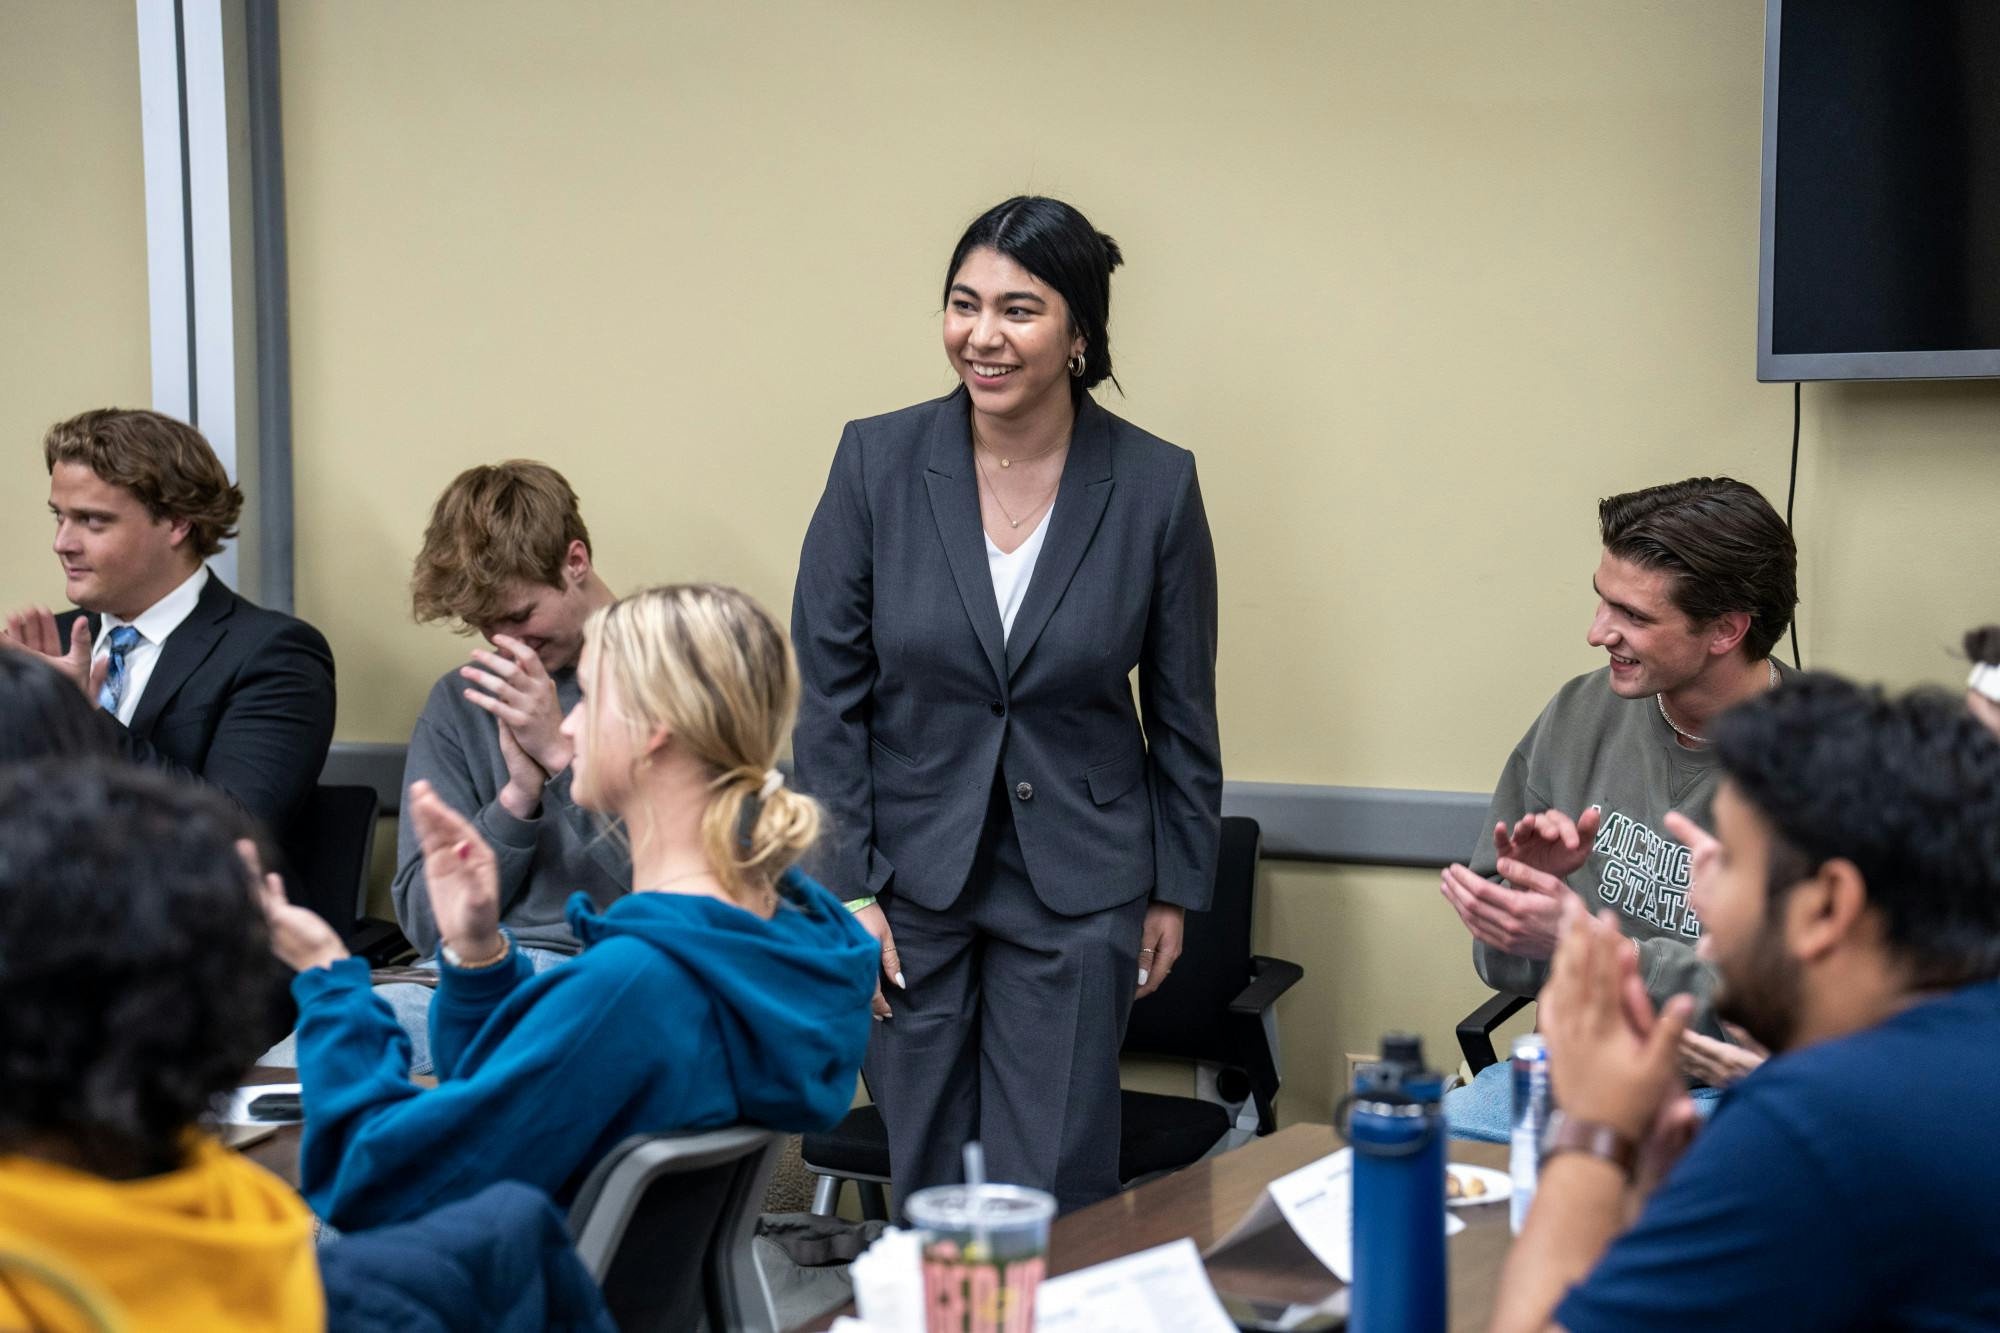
x: 710, y: 664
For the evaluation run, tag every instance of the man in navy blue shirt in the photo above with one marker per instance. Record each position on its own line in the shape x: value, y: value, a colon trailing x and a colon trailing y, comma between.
x: 1851, y: 904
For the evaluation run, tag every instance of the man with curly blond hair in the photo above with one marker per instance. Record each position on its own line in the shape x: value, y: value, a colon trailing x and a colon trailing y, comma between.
x: 190, y: 677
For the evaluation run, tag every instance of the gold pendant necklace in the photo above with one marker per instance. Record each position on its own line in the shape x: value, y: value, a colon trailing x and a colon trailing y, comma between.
x: 1009, y: 462
x: 994, y: 491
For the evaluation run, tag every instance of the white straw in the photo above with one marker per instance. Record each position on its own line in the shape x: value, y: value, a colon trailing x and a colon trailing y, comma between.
x: 975, y: 1180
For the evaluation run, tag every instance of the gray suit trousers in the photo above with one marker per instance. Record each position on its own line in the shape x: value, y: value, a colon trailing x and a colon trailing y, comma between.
x: 1008, y: 1032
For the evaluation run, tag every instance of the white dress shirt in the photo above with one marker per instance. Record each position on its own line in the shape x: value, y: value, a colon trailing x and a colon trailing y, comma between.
x: 154, y: 624
x: 1013, y: 570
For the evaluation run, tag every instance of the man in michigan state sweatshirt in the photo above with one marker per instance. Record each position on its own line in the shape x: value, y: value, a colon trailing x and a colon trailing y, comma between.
x: 1696, y: 585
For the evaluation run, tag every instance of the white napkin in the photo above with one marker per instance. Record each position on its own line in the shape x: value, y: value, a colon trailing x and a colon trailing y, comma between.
x: 888, y: 1281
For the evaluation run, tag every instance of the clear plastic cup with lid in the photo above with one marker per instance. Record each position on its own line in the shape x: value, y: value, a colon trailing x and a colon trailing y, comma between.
x: 985, y: 1248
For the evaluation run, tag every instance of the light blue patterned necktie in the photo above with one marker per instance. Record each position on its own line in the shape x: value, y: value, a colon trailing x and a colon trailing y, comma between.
x: 113, y: 694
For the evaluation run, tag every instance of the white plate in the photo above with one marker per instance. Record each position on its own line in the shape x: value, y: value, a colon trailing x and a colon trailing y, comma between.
x: 1499, y: 1185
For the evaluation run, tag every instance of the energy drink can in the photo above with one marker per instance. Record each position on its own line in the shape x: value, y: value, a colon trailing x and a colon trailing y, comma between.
x: 1532, y: 1104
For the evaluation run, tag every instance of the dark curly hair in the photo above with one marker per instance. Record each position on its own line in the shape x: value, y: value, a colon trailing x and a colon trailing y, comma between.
x: 1724, y: 546
x: 1906, y: 788
x: 41, y: 713
x: 1983, y: 644
x: 134, y: 963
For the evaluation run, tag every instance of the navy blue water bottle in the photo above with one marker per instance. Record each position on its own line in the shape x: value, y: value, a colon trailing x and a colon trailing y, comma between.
x: 1394, y: 1118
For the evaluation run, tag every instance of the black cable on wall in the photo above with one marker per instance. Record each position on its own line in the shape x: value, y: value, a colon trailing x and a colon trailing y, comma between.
x: 1791, y: 491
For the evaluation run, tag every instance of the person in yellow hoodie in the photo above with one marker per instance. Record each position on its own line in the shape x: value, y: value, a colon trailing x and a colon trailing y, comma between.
x: 131, y: 978
x: 130, y: 981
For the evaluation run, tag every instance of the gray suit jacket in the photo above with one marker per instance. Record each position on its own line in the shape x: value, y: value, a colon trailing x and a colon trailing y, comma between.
x: 911, y: 701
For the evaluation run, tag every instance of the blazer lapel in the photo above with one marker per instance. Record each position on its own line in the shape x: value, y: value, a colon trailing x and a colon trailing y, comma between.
x: 954, y: 491
x: 1080, y: 501
x: 185, y: 649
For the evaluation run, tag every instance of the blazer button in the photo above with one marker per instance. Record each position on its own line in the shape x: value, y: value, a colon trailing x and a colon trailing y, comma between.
x: 999, y: 709
x: 1025, y: 790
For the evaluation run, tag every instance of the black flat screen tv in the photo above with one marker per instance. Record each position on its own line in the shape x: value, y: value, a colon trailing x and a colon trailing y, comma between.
x: 1880, y: 247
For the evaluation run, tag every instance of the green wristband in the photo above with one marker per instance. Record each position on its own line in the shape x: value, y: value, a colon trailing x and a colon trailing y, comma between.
x: 856, y: 904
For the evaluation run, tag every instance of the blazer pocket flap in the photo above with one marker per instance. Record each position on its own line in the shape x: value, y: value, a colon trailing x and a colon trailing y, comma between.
x: 893, y: 756
x: 1110, y: 781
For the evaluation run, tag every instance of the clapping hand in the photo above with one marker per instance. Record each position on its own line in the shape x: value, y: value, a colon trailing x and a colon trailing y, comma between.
x: 460, y: 872
x: 525, y: 778
x: 1550, y: 841
x: 514, y: 686
x: 1523, y: 917
x: 1611, y: 1059
x: 34, y: 630
x: 299, y: 936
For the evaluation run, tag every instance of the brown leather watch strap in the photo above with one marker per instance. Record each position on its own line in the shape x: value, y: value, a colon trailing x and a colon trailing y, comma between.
x: 1568, y: 1134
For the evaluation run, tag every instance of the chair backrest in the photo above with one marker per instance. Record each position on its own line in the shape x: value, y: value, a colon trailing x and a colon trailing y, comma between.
x: 1188, y: 1019
x: 333, y: 841
x: 664, y: 1224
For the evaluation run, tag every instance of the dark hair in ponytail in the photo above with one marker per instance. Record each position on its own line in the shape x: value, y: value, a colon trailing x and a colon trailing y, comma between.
x: 1057, y: 244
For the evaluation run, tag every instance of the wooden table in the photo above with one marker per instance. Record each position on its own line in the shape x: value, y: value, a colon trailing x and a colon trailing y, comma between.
x: 1201, y: 1202
x: 1204, y: 1201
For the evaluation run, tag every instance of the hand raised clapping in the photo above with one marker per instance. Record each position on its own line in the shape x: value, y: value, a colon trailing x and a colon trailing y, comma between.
x: 1612, y: 1060
x: 1523, y: 916
x: 299, y: 936
x: 34, y: 631
x: 460, y: 872
x: 514, y: 686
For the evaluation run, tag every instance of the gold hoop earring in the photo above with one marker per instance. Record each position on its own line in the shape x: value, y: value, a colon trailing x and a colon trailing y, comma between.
x: 1076, y: 366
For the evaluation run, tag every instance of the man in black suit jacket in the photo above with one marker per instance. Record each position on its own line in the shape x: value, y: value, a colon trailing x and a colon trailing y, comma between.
x: 193, y: 678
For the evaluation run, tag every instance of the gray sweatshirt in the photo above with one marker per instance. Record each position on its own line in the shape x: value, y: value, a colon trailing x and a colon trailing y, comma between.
x: 542, y: 860
x: 1592, y: 748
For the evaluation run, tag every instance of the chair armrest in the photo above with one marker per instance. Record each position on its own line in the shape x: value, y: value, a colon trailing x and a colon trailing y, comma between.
x: 1269, y: 978
x: 1475, y: 1030
x: 1249, y: 1025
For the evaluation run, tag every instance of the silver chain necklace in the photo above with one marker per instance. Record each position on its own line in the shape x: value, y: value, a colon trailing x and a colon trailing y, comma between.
x: 1679, y: 730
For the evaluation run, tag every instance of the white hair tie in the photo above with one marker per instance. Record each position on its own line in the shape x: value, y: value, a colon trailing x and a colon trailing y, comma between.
x: 1985, y: 679
x: 773, y: 780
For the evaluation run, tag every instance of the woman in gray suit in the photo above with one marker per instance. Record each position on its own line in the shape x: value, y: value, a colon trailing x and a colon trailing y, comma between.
x: 982, y: 576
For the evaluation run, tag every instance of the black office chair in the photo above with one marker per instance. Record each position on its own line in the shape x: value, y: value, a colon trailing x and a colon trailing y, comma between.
x: 1216, y: 1013
x: 1475, y: 1030
x: 333, y: 840
x: 664, y: 1224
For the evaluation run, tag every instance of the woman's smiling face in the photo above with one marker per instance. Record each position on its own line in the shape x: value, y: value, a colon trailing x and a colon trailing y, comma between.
x: 1007, y: 334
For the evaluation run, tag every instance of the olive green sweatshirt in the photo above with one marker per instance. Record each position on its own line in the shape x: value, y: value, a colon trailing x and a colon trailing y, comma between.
x: 1591, y: 748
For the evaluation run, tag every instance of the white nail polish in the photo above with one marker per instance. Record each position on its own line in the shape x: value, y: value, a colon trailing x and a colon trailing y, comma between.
x: 1142, y: 976
x: 900, y: 985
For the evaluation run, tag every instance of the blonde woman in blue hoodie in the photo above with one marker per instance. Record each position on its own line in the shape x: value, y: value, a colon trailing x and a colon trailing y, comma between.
x: 727, y: 987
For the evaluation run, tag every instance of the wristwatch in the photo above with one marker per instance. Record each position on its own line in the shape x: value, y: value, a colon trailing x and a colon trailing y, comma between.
x: 1567, y: 1134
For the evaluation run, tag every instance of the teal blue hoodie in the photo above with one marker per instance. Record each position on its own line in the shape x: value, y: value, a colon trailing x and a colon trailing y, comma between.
x: 682, y: 1012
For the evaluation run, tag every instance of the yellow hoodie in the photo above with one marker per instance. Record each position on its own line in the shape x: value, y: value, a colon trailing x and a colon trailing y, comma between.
x: 219, y: 1246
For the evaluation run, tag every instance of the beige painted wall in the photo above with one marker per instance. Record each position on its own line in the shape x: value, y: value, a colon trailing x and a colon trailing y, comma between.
x: 72, y: 252
x: 1417, y: 283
